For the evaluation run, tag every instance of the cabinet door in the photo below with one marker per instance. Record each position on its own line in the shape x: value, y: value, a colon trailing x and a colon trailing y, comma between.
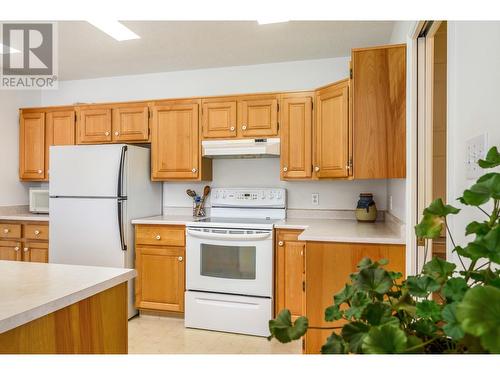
x: 131, y: 124
x: 219, y: 118
x: 332, y: 131
x: 32, y: 146
x: 290, y: 255
x: 175, y: 149
x: 60, y: 131
x: 36, y: 252
x: 160, y: 278
x: 328, y: 266
x: 379, y: 112
x: 94, y: 125
x: 258, y: 118
x: 10, y: 250
x: 296, y: 137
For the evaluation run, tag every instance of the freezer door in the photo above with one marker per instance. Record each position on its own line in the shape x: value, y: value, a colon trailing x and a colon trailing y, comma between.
x: 87, y: 171
x: 86, y: 231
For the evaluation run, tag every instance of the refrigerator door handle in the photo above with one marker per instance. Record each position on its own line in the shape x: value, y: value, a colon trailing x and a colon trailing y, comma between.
x: 120, y: 225
x: 120, y: 172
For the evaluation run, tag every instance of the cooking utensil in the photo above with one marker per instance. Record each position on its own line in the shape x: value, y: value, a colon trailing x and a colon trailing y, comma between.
x: 206, y: 191
x: 191, y: 193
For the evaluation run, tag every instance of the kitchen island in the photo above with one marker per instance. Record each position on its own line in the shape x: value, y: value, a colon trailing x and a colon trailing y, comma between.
x: 56, y: 309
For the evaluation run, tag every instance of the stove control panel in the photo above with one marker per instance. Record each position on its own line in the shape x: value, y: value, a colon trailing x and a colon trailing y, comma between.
x: 253, y: 197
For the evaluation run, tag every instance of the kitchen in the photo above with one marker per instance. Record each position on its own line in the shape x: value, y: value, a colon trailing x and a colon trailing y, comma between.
x: 224, y: 193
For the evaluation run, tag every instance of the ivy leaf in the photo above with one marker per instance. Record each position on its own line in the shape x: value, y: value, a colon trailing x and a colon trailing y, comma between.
x: 421, y: 286
x: 377, y: 313
x: 452, y: 327
x: 477, y: 228
x: 374, y: 280
x: 344, y: 295
x: 282, y: 329
x: 492, y: 159
x: 438, y: 208
x: 333, y: 313
x: 358, y: 303
x: 428, y: 310
x: 354, y: 333
x: 488, y: 186
x: 386, y: 339
x: 429, y: 227
x: 335, y: 344
x: 455, y: 288
x: 479, y: 315
x: 439, y: 269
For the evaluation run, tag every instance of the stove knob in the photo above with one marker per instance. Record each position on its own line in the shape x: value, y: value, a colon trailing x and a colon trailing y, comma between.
x: 271, y: 195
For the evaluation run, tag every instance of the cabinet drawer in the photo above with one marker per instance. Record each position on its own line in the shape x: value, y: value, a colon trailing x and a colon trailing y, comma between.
x: 10, y: 230
x: 36, y: 231
x: 168, y: 235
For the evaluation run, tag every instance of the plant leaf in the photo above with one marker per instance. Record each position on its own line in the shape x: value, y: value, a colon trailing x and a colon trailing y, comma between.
x: 333, y: 313
x: 491, y: 241
x: 477, y: 228
x: 455, y: 288
x: 344, y: 295
x: 428, y: 310
x: 335, y: 344
x: 479, y: 315
x: 421, y: 286
x: 377, y: 313
x: 282, y: 329
x: 413, y: 345
x: 386, y: 339
x: 424, y: 327
x: 492, y: 159
x: 488, y: 186
x: 375, y: 280
x: 354, y: 333
x: 452, y: 327
x: 438, y: 208
x: 439, y: 269
x: 429, y: 227
x: 358, y: 303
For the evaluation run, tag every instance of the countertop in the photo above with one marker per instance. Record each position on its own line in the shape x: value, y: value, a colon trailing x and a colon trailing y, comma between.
x: 328, y: 230
x: 31, y: 290
x: 25, y: 217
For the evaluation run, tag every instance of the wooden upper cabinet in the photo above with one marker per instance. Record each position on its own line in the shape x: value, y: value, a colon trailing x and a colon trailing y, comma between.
x: 131, y: 123
x: 258, y: 116
x: 60, y: 131
x: 296, y: 136
x: 379, y: 112
x: 94, y: 125
x: 219, y: 118
x: 332, y: 131
x: 32, y: 146
x: 175, y: 146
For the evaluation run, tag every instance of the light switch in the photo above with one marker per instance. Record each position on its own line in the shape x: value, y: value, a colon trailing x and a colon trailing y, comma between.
x: 476, y: 149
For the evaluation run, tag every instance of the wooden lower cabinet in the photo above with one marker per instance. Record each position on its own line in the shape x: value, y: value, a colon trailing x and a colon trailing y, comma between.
x: 24, y: 241
x: 160, y: 281
x: 315, y: 338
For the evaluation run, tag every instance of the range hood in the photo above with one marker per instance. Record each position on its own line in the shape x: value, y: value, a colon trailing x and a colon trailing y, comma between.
x: 241, y: 148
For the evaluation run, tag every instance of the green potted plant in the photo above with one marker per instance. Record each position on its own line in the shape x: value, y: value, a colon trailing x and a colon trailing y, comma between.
x: 444, y: 309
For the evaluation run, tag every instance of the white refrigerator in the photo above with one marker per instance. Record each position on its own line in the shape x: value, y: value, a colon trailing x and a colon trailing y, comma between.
x: 95, y: 191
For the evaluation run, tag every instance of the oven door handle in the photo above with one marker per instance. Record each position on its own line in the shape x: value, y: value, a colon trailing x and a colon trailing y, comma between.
x: 222, y: 236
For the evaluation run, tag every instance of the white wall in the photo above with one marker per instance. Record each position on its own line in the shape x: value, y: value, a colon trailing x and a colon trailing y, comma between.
x: 473, y: 104
x: 12, y: 191
x: 299, y: 75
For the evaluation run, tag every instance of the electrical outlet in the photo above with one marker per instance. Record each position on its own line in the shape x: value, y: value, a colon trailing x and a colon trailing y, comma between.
x: 390, y: 202
x: 315, y: 199
x: 476, y: 149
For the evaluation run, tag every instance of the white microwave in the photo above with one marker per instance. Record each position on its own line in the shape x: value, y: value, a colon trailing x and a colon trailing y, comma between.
x: 39, y: 201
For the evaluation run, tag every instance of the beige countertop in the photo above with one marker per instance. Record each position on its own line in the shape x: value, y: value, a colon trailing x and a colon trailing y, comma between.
x: 165, y: 219
x: 31, y: 290
x: 25, y: 217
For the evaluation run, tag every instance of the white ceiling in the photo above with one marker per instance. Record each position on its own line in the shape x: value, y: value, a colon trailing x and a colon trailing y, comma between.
x: 87, y: 52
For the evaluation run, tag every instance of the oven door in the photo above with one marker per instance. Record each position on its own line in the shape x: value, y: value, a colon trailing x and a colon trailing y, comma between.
x: 235, y: 261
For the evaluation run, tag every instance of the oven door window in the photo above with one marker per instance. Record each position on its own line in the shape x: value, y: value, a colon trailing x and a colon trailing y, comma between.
x: 228, y: 262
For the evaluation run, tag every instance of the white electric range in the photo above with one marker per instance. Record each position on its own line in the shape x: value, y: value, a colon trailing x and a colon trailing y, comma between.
x: 229, y: 261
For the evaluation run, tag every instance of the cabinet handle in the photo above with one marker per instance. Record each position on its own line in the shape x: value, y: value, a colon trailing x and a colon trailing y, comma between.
x: 180, y: 259
x: 244, y: 127
x: 280, y: 243
x: 37, y: 232
x: 39, y: 171
x: 285, y: 169
x: 158, y: 237
x: 117, y: 133
x: 231, y: 128
x: 25, y: 249
x: 106, y: 133
x: 16, y: 248
x: 316, y: 169
x: 6, y: 230
x: 193, y: 170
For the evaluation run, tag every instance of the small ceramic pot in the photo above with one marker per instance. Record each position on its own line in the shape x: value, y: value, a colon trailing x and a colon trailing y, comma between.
x: 366, y: 210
